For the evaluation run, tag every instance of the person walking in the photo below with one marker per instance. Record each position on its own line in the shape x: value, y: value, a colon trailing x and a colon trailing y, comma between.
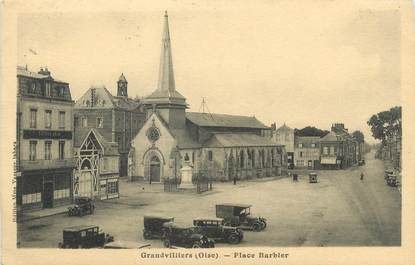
x: 361, y: 176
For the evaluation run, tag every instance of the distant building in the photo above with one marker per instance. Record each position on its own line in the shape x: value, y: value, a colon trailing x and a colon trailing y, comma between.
x: 108, y: 123
x: 338, y: 149
x: 307, y: 152
x: 222, y: 146
x: 284, y: 135
x: 44, y: 140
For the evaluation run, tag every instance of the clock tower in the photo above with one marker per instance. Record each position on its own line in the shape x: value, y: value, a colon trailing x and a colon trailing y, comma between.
x: 122, y: 86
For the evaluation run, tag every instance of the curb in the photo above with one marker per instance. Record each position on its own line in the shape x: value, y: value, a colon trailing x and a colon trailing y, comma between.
x: 19, y: 220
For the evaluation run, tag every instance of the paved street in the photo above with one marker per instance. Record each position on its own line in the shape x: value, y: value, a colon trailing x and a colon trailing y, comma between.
x: 340, y: 210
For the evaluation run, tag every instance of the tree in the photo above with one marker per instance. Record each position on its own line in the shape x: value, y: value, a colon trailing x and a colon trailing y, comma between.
x: 310, y: 131
x: 386, y: 124
x: 358, y: 135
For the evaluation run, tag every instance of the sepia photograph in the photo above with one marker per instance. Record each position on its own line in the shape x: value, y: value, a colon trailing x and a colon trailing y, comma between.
x: 248, y: 128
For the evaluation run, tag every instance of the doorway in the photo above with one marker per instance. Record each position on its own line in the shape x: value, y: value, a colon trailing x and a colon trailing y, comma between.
x: 154, y: 169
x: 310, y: 164
x: 47, y: 194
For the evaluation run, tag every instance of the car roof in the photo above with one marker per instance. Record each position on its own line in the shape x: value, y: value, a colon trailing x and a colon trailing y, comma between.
x: 157, y: 217
x: 208, y: 219
x: 240, y: 205
x: 78, y: 227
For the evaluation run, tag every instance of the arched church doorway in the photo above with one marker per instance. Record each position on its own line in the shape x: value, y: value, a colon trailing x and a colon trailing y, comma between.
x: 154, y: 169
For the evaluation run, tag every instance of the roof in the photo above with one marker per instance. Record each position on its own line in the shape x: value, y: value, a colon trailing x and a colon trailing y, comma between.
x: 239, y: 205
x: 122, y: 78
x: 331, y: 137
x: 22, y: 71
x: 110, y: 148
x: 238, y: 140
x: 284, y: 127
x: 78, y: 227
x: 224, y: 120
x: 183, y: 138
x: 104, y: 99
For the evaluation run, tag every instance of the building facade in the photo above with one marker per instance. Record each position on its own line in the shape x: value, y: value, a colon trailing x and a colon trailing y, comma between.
x: 116, y: 118
x: 221, y: 146
x: 284, y: 135
x: 338, y: 149
x: 44, y: 140
x: 307, y: 152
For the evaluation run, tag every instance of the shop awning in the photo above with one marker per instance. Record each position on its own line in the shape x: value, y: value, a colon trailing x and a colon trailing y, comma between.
x: 328, y: 160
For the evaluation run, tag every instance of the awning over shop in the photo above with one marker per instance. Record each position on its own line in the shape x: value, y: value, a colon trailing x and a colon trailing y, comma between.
x: 328, y: 160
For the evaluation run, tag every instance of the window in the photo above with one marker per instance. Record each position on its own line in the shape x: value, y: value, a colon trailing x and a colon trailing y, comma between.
x: 31, y: 198
x: 32, y: 88
x: 84, y: 122
x: 335, y: 150
x: 193, y: 157
x: 61, y: 150
x: 61, y: 119
x: 33, y: 118
x: 32, y: 151
x: 47, y: 90
x: 242, y: 158
x: 100, y: 122
x: 325, y: 150
x: 48, y: 119
x: 313, y: 145
x: 301, y: 154
x: 48, y: 153
x: 253, y: 158
x: 332, y: 150
x: 300, y: 145
x: 112, y: 187
x: 210, y: 155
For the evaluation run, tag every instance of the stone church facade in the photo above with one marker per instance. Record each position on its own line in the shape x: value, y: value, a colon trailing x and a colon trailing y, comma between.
x: 220, y: 146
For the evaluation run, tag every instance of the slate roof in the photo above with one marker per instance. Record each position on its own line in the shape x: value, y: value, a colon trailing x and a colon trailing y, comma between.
x: 331, y: 137
x: 224, y: 120
x: 22, y: 71
x: 183, y: 138
x: 238, y: 140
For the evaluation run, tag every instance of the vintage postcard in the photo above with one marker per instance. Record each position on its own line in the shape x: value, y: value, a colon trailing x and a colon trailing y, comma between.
x: 139, y: 132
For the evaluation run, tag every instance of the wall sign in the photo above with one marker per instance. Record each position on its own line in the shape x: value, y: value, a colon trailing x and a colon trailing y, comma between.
x: 39, y: 134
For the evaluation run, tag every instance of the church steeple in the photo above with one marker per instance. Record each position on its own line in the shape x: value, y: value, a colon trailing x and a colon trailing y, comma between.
x: 166, y: 74
x: 122, y: 86
x: 166, y: 89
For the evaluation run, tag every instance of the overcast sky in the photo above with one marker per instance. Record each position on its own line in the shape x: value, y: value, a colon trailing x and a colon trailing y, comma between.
x: 278, y: 61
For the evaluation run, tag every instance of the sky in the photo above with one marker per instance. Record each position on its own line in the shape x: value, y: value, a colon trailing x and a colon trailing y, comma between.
x: 281, y: 62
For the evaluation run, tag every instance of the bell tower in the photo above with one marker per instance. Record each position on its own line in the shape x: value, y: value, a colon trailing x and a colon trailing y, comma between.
x: 122, y: 86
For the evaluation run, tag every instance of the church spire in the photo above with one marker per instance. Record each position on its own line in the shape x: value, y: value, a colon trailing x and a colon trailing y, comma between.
x: 166, y: 75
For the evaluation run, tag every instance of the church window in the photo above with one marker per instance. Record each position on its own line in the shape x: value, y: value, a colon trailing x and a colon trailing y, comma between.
x: 84, y: 122
x: 100, y: 122
x: 241, y: 158
x: 210, y: 155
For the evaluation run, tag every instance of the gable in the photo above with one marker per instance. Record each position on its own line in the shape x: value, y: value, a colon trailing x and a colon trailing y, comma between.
x: 95, y: 98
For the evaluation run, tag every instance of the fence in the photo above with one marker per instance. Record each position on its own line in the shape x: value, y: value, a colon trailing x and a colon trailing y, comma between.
x: 203, y: 184
x: 171, y: 185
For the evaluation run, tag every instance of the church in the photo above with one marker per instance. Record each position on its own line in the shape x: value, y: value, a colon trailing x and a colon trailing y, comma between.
x: 220, y: 146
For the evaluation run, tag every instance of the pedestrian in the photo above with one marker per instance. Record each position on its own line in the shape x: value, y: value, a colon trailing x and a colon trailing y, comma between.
x: 234, y: 180
x: 361, y: 176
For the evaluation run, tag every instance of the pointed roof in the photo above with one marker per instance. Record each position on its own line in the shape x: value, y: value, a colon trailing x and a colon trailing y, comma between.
x: 122, y: 78
x: 166, y: 90
x: 224, y: 120
x: 284, y: 127
x: 331, y: 137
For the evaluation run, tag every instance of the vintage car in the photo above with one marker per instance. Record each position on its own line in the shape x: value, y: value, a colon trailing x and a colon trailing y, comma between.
x: 238, y: 215
x: 392, y: 180
x: 361, y: 162
x: 126, y: 245
x: 84, y: 236
x: 186, y: 237
x: 82, y: 206
x: 153, y: 226
x: 215, y: 229
x: 312, y: 177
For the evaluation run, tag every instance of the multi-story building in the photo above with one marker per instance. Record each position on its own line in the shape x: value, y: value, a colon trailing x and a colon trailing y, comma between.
x: 338, y: 148
x: 307, y: 152
x: 116, y: 118
x: 44, y: 140
x: 284, y: 135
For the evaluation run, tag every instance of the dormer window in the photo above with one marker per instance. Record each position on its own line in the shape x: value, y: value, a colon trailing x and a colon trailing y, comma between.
x: 47, y: 89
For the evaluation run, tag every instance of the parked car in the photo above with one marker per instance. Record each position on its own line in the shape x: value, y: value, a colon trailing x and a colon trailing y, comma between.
x: 153, y: 226
x: 392, y: 180
x: 239, y: 215
x: 84, y: 236
x: 215, y: 229
x: 82, y: 206
x: 312, y: 177
x: 186, y: 237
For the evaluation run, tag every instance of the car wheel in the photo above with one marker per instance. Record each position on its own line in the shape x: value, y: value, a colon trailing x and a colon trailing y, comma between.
x: 196, y: 245
x: 256, y: 227
x: 264, y: 225
x: 167, y: 243
x: 233, y: 239
x: 146, y: 235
